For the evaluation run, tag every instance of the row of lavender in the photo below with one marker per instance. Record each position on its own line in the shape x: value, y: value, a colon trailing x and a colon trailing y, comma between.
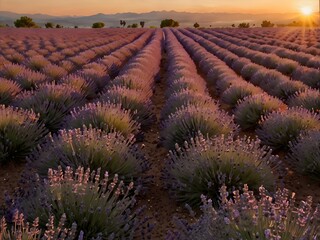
x: 204, y: 160
x: 283, y: 60
x: 36, y: 69
x: 276, y: 125
x: 99, y: 135
x: 292, y: 38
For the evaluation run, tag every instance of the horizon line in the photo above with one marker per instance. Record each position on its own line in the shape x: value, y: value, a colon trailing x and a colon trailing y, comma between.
x: 219, y: 12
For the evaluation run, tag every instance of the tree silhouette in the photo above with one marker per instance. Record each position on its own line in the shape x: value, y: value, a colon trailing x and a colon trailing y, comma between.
x: 142, y: 24
x: 169, y: 23
x: 98, y: 25
x: 134, y: 25
x: 196, y: 25
x: 25, y: 22
x: 244, y: 25
x: 266, y: 23
x: 49, y: 25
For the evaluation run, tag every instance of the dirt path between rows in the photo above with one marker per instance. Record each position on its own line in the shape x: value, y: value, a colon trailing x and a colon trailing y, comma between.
x: 160, y: 207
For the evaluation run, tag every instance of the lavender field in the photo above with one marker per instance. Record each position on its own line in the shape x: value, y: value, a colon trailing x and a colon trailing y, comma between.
x: 160, y: 134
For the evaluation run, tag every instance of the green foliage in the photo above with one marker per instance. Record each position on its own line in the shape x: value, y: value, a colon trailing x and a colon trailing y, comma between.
x: 91, y: 148
x: 266, y: 23
x: 202, y: 166
x: 105, y: 116
x: 59, y: 26
x: 98, y: 25
x: 20, y: 133
x: 49, y: 25
x: 188, y: 121
x: 244, y: 25
x: 196, y: 25
x: 134, y: 25
x: 25, y: 22
x: 52, y: 102
x: 305, y: 154
x: 169, y: 23
x: 99, y: 205
x: 8, y: 90
x: 278, y: 128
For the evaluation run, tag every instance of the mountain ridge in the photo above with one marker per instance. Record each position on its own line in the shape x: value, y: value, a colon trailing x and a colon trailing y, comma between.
x: 153, y: 18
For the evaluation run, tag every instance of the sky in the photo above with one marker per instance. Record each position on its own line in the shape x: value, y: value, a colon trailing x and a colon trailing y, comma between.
x: 90, y: 7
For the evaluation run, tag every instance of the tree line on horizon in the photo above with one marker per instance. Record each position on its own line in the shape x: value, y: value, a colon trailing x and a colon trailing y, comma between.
x: 27, y: 22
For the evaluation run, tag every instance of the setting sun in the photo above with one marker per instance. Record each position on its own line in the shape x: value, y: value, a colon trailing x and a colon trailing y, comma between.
x: 307, y: 11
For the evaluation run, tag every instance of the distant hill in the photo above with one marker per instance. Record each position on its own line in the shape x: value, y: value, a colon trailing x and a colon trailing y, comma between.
x: 186, y: 19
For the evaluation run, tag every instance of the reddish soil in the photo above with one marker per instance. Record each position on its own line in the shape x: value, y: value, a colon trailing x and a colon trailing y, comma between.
x: 160, y: 207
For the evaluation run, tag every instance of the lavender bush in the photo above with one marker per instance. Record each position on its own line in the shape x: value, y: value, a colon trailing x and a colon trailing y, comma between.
x: 53, y: 102
x: 189, y: 120
x: 105, y: 116
x: 309, y: 99
x: 135, y: 101
x: 183, y: 98
x: 249, y: 111
x: 278, y: 128
x: 20, y: 132
x: 305, y: 154
x: 237, y: 92
x: 8, y: 91
x: 91, y: 148
x: 204, y: 164
x: 101, y: 207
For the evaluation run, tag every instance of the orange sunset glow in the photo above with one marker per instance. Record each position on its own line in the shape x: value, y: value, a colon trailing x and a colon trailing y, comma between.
x: 87, y: 7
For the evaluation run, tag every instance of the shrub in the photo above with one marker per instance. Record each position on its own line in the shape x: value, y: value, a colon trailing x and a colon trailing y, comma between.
x: 105, y: 116
x: 90, y: 148
x: 250, y: 110
x: 277, y: 129
x: 266, y: 23
x: 286, y: 89
x: 8, y: 91
x: 310, y: 77
x: 11, y: 71
x: 270, y: 217
x: 309, y: 99
x: 183, y: 84
x: 185, y: 124
x: 38, y: 62
x: 249, y: 70
x: 19, y: 133
x: 101, y: 207
x: 206, y: 164
x: 98, y: 25
x: 137, y: 102
x: 52, y: 102
x: 169, y: 23
x: 80, y: 83
x: 54, y: 72
x: 237, y: 92
x: 30, y: 80
x: 287, y: 66
x: 305, y: 154
x: 183, y: 98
